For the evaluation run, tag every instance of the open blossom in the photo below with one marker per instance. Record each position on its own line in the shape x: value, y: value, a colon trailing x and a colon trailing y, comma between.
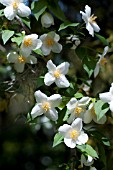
x: 102, y: 60
x: 74, y: 40
x: 89, y: 19
x: 50, y: 43
x: 108, y: 97
x: 46, y: 105
x: 87, y: 162
x: 57, y: 74
x: 19, y: 60
x: 90, y: 115
x: 29, y: 43
x: 73, y: 134
x: 15, y: 7
x: 76, y: 108
x: 47, y: 20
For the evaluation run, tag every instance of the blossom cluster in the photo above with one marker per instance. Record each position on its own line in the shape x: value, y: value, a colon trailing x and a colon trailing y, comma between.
x: 79, y: 112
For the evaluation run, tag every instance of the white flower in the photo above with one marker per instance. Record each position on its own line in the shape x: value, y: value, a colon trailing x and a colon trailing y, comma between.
x: 74, y: 40
x: 73, y: 134
x: 108, y: 97
x: 89, y: 19
x: 46, y: 105
x: 20, y: 60
x: 57, y: 74
x: 15, y: 7
x: 87, y: 162
x: 90, y: 115
x: 86, y: 87
x: 76, y: 108
x: 102, y: 60
x: 29, y: 43
x: 47, y: 20
x: 50, y: 43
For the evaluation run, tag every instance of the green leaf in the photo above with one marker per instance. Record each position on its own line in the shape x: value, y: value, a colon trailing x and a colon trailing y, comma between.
x: 1, y: 12
x: 6, y: 35
x: 26, y: 21
x: 17, y: 40
x: 58, y: 138
x: 39, y: 52
x: 56, y: 10
x: 100, y: 109
x: 78, y: 95
x: 102, y: 39
x: 38, y: 8
x: 88, y: 150
x: 89, y: 64
x: 65, y: 25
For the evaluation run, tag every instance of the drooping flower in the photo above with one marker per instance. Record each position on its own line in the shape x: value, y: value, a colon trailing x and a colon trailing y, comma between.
x: 87, y: 162
x: 29, y: 43
x: 46, y: 105
x: 19, y: 60
x: 90, y: 115
x: 73, y: 134
x: 108, y: 97
x: 15, y: 7
x: 74, y: 40
x: 102, y: 60
x: 86, y: 87
x: 47, y: 20
x: 76, y: 108
x: 50, y: 43
x: 89, y: 19
x: 57, y: 74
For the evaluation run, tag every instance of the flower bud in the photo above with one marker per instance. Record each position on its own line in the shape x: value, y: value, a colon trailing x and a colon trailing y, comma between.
x: 47, y: 20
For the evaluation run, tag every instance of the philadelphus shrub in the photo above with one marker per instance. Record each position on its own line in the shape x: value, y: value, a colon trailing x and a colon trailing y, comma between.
x: 68, y: 106
x: 15, y: 7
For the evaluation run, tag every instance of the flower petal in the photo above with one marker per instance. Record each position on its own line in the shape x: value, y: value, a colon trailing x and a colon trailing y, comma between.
x: 37, y: 44
x: 72, y: 103
x: 12, y: 57
x: 52, y: 114
x: 64, y: 129
x: 31, y: 59
x: 49, y: 79
x: 70, y: 143
x: 106, y: 97
x: 95, y: 27
x: 51, y: 66
x: 45, y: 50
x: 56, y: 48
x: 87, y: 11
x: 96, y: 70
x: 6, y: 2
x: 90, y: 29
x: 111, y: 105
x: 82, y: 139
x: 19, y: 67
x: 63, y: 67
x: 9, y: 12
x: 87, y: 117
x: 84, y: 17
x: 23, y: 10
x: 77, y: 124
x: 55, y: 100
x: 62, y: 82
x: 100, y: 121
x: 40, y: 97
x: 36, y: 111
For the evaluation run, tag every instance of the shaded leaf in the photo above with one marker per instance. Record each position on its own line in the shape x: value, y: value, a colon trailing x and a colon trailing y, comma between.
x: 58, y: 138
x: 65, y: 25
x: 6, y: 35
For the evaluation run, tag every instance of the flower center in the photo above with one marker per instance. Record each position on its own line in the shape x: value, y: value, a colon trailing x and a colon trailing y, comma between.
x: 78, y: 110
x: 103, y: 61
x: 21, y: 59
x: 49, y: 42
x: 15, y: 5
x: 46, y: 106
x: 73, y: 134
x: 57, y: 74
x: 28, y: 42
x: 92, y: 18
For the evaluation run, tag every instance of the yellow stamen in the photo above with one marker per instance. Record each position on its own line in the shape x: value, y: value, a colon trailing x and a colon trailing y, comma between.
x: 73, y: 134
x: 15, y: 5
x: 46, y: 106
x: 49, y: 42
x: 57, y: 74
x: 78, y: 110
x: 21, y: 59
x: 28, y: 42
x: 92, y: 18
x: 103, y: 61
